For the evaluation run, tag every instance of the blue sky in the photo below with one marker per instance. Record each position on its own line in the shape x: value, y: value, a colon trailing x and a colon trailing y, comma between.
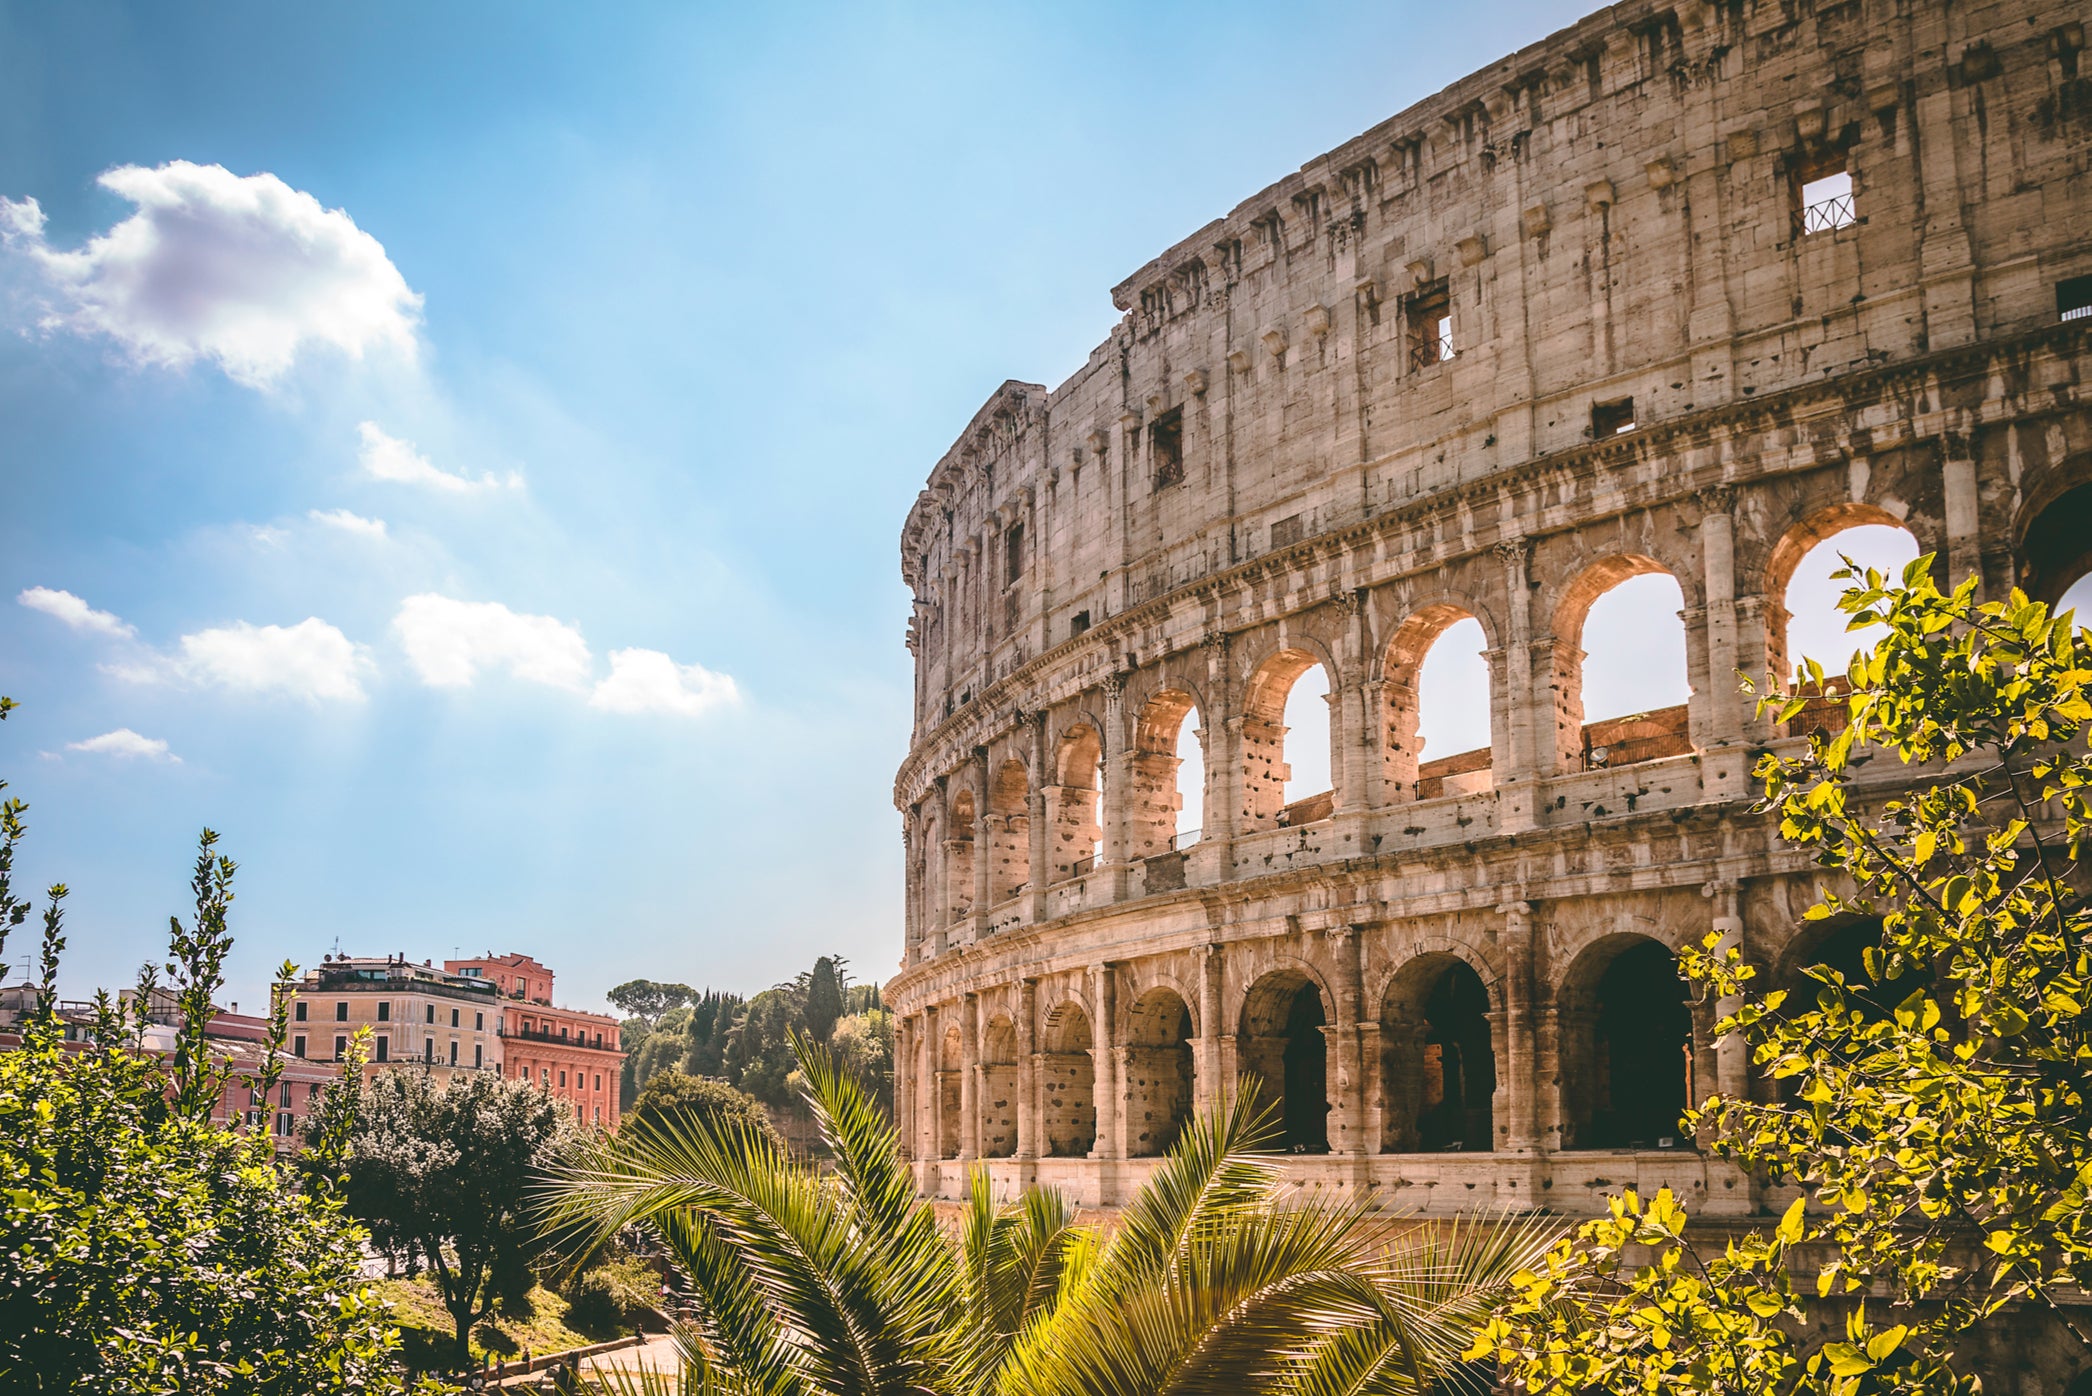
x: 636, y: 328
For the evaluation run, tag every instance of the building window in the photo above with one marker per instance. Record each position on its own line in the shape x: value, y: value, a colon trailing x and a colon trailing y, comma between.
x: 431, y: 1010
x: 1166, y: 447
x: 599, y: 1114
x: 1012, y: 553
x: 2074, y: 298
x: 545, y: 1076
x: 562, y: 1032
x: 1612, y: 418
x: 478, y: 1056
x: 1079, y: 624
x: 341, y: 1048
x: 298, y: 1010
x: 341, y: 1011
x: 428, y: 1049
x: 1430, y: 319
x: 479, y: 1022
x: 1823, y: 196
x: 384, y: 1048
x: 298, y: 1045
x: 599, y: 1081
x: 286, y: 1093
x: 384, y: 1012
x: 562, y: 1080
x: 453, y: 1017
x: 453, y: 1051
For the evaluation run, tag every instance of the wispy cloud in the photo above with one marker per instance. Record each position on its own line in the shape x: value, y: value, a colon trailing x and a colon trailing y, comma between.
x: 387, y: 457
x: 125, y: 743
x: 449, y: 642
x: 311, y: 660
x: 74, y: 612
x: 648, y: 681
x: 349, y: 523
x: 243, y: 271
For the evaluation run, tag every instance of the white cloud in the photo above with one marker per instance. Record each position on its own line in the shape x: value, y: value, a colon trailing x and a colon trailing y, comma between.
x: 244, y: 271
x: 310, y: 660
x: 387, y: 457
x: 448, y: 642
x: 349, y: 523
x: 74, y: 612
x: 648, y: 681
x: 124, y: 742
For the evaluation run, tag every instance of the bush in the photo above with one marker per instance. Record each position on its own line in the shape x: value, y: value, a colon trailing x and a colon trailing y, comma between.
x: 675, y: 1094
x: 613, y: 1299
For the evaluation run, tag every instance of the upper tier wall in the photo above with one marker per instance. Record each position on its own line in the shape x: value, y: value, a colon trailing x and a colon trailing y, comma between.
x: 1611, y: 214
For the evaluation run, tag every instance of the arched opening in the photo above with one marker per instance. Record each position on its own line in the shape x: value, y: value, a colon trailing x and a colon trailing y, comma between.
x: 1281, y: 1042
x: 958, y: 859
x: 1619, y: 672
x: 1154, y: 803
x: 1808, y: 623
x: 1067, y: 1084
x: 950, y: 1076
x: 1073, y: 831
x: 1158, y: 1072
x: 1627, y: 1070
x: 1843, y: 947
x: 1438, y: 1060
x: 1270, y: 797
x: 1436, y: 704
x: 2055, y: 547
x: 1009, y: 833
x: 998, y: 1089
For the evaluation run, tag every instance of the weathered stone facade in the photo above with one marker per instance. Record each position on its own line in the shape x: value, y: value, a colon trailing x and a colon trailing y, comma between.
x: 1586, y: 314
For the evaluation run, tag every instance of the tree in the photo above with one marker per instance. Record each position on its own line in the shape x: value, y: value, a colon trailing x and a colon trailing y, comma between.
x: 648, y: 999
x: 824, y: 998
x: 759, y: 1052
x: 1931, y: 1109
x: 673, y: 1095
x: 711, y: 1023
x: 444, y: 1173
x: 1217, y: 1278
x: 863, y: 1046
x: 142, y: 1248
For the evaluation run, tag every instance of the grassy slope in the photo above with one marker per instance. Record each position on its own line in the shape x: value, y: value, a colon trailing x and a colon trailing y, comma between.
x: 416, y: 1305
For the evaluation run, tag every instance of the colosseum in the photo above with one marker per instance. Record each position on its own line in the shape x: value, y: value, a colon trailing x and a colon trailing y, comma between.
x: 1685, y: 289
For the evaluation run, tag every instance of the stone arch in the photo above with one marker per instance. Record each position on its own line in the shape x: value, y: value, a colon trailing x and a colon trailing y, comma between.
x: 1280, y: 1041
x: 1622, y: 741
x: 1009, y: 831
x: 1261, y: 794
x: 959, y: 853
x: 1627, y: 1057
x: 1066, y: 1080
x: 1440, y: 1028
x: 997, y: 1101
x: 1072, y: 828
x: 1405, y: 775
x: 2052, y: 535
x: 1153, y: 797
x: 1158, y: 1071
x: 950, y: 1078
x: 1785, y: 556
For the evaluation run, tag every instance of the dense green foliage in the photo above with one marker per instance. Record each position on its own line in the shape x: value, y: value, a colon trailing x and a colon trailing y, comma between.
x: 1217, y: 1278
x: 648, y: 999
x: 613, y: 1298
x: 713, y: 1103
x: 442, y: 1174
x: 1933, y: 1112
x: 143, y: 1249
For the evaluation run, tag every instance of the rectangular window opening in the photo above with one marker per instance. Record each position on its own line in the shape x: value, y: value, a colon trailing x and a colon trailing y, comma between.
x: 1612, y: 418
x: 1079, y: 624
x: 1012, y: 554
x: 1823, y: 196
x: 1430, y: 321
x: 384, y: 1049
x: 341, y: 1011
x: 1166, y: 447
x: 298, y: 1010
x: 2074, y: 298
x: 298, y: 1045
x: 384, y: 1012
x: 341, y: 1048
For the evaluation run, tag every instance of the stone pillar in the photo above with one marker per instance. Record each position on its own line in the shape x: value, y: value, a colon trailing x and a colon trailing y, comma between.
x: 904, y: 1086
x: 984, y: 831
x: 1964, y: 537
x: 911, y: 886
x: 1352, y: 718
x: 1212, y: 1088
x: 1118, y: 779
x: 1732, y: 1055
x: 1520, y: 1062
x: 1027, y: 1068
x: 969, y: 1076
x: 1223, y: 757
x: 1040, y: 873
x: 933, y: 1054
x: 1720, y: 702
x: 1103, y: 1061
x: 1517, y: 705
x: 1372, y: 1058
x: 1345, y: 1067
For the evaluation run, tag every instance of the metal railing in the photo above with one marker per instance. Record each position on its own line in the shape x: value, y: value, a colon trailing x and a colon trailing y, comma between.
x: 1183, y: 839
x: 1826, y: 215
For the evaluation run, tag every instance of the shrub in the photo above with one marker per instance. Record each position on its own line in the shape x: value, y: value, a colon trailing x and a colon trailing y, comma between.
x: 613, y: 1298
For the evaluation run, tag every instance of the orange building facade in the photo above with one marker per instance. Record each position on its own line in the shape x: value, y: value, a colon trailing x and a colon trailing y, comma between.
x: 573, y: 1054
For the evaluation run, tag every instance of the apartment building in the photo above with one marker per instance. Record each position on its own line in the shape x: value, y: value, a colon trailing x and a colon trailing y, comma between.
x: 574, y: 1054
x: 418, y: 1015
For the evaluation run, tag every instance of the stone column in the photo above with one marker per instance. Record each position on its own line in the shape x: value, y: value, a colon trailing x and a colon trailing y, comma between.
x: 1211, y: 1088
x: 1718, y: 561
x: 1732, y: 1055
x: 1964, y: 537
x: 1118, y: 779
x: 983, y: 842
x: 1372, y: 1059
x: 904, y: 1086
x: 1027, y: 1068
x: 1345, y: 1067
x: 1223, y: 757
x: 1351, y: 715
x: 1520, y: 1066
x: 969, y: 1076
x: 911, y: 899
x: 1517, y: 704
x: 1040, y: 875
x: 933, y: 1054
x: 1104, y: 1083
